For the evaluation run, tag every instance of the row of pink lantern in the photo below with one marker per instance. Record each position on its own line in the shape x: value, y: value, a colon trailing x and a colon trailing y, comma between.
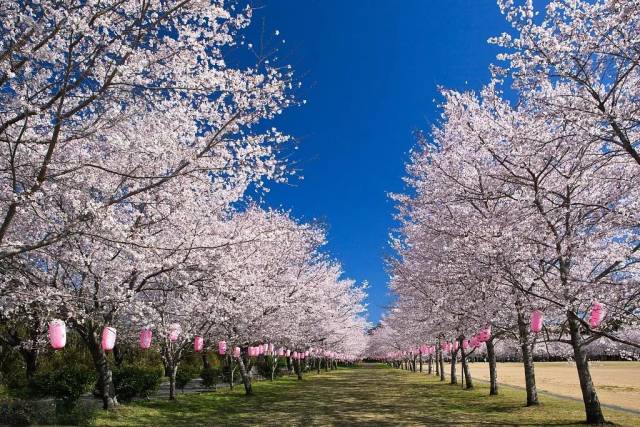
x: 596, y: 315
x: 58, y: 339
x: 260, y: 350
x: 58, y: 336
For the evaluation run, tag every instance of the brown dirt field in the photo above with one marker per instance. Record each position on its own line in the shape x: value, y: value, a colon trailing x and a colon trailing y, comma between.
x: 617, y: 383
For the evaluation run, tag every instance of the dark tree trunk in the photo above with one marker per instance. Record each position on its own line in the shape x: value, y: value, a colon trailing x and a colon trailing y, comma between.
x: 437, y: 362
x: 493, y: 372
x: 118, y: 355
x: 420, y: 362
x: 527, y: 358
x: 105, y: 378
x: 30, y: 357
x: 454, y: 376
x: 326, y: 364
x: 298, y: 368
x: 441, y: 366
x: 289, y: 365
x: 430, y: 368
x: 465, y: 366
x: 246, y: 378
x: 205, y: 361
x: 589, y: 395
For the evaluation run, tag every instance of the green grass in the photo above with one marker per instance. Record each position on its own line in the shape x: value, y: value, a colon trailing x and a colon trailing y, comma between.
x: 355, y: 396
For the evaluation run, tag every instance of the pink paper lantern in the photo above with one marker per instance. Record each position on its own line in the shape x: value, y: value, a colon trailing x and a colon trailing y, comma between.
x: 485, y: 334
x: 270, y: 348
x: 456, y: 344
x: 108, y: 338
x: 222, y: 347
x: 536, y: 321
x: 57, y: 334
x: 295, y: 355
x: 236, y: 352
x: 288, y: 353
x: 281, y: 351
x: 145, y: 338
x: 596, y: 315
x: 260, y: 350
x: 198, y: 344
x: 174, y: 332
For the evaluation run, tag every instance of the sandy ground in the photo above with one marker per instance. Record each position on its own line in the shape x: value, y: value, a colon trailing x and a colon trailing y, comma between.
x: 617, y: 383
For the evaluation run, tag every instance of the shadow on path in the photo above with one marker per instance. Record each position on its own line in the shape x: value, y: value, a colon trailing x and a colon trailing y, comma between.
x: 368, y: 395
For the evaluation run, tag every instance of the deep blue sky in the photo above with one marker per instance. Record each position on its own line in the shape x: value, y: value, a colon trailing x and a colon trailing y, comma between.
x: 370, y: 72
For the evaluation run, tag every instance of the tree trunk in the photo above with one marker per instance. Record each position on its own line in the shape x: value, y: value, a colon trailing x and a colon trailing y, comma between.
x: 30, y: 357
x: 454, y: 376
x: 441, y: 366
x: 493, y: 372
x: 118, y: 355
x: 589, y: 395
x: 274, y: 366
x: 437, y: 362
x: 430, y: 365
x: 173, y: 370
x: 326, y: 364
x: 205, y: 361
x: 420, y: 362
x: 246, y: 378
x: 527, y: 358
x: 289, y: 365
x: 231, y: 371
x: 106, y: 390
x: 298, y: 368
x: 465, y: 367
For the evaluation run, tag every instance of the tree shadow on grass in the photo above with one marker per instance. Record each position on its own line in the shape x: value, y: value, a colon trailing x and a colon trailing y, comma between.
x: 351, y: 397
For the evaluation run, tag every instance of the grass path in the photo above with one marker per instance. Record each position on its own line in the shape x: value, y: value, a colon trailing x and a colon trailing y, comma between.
x: 361, y: 396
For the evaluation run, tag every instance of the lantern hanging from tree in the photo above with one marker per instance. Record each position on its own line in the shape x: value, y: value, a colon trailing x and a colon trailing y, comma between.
x: 57, y: 334
x: 485, y: 334
x: 174, y: 332
x: 288, y: 353
x: 596, y: 315
x: 108, y: 338
x: 536, y: 321
x: 145, y: 338
x: 198, y: 344
x: 236, y: 352
x: 222, y: 347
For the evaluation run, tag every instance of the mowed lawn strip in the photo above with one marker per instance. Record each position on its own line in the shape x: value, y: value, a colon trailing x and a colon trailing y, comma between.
x: 356, y: 396
x: 617, y: 383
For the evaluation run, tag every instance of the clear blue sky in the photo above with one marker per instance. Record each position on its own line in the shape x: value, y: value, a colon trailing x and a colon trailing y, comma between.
x: 370, y: 72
